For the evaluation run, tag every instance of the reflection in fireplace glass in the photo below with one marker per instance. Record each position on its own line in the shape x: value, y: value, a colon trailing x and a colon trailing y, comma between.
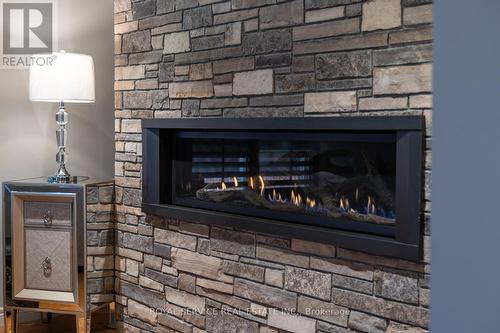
x: 345, y: 178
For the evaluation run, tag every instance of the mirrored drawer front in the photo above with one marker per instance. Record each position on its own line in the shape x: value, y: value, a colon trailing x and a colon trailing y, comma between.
x: 48, y: 259
x: 48, y: 213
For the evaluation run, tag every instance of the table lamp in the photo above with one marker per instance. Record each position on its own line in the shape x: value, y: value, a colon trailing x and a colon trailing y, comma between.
x: 69, y: 78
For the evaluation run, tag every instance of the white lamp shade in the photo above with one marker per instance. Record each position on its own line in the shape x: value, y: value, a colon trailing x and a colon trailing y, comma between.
x: 69, y: 79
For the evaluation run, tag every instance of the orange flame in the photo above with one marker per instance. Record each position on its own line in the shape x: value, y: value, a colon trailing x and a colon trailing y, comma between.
x: 252, y: 184
x: 262, y: 185
x: 235, y: 180
x: 224, y: 187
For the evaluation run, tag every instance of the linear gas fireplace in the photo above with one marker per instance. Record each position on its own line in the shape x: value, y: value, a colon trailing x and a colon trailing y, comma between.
x: 351, y: 181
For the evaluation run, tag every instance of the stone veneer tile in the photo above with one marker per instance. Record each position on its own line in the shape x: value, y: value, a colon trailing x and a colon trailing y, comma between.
x: 338, y: 101
x: 315, y: 58
x: 308, y: 282
x: 381, y: 14
x: 264, y: 294
x: 402, y: 79
x: 325, y: 311
x: 291, y: 323
x: 259, y: 82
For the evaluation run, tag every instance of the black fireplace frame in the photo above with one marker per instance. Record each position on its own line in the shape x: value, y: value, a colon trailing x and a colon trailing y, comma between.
x: 409, y: 130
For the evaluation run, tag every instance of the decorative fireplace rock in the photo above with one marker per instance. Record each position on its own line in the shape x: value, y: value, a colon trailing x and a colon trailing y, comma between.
x: 316, y: 58
x: 353, y: 182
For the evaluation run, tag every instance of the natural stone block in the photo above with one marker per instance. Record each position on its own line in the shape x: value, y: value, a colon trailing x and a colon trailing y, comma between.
x: 242, y: 4
x: 195, y: 89
x: 381, y: 14
x: 126, y: 27
x: 273, y: 60
x: 277, y: 100
x: 139, y: 41
x: 195, y: 229
x: 165, y: 6
x: 325, y: 311
x: 282, y: 15
x: 327, y: 29
x: 267, y: 41
x: 257, y: 82
x: 338, y: 101
x: 166, y: 72
x: 185, y: 299
x: 224, y: 322
x: 343, y: 267
x: 207, y: 42
x: 199, y: 264
x: 421, y: 101
x: 324, y: 250
x: 214, y: 285
x: 354, y: 284
x: 145, y: 8
x: 366, y: 323
x: 176, y: 42
x: 308, y: 282
x: 417, y: 15
x: 251, y: 272
x: 200, y: 71
x: 235, y: 16
x: 130, y: 72
x: 150, y: 284
x: 269, y: 112
x: 223, y: 103
x: 324, y: 14
x: 187, y: 283
x: 137, y: 242
x: 295, y: 83
x: 343, y: 64
x: 161, y: 277
x: 400, y: 328
x: 411, y: 35
x: 222, y: 7
x: 190, y: 108
x: 260, y: 293
x: 402, y: 79
x: 354, y: 10
x: 282, y: 256
x: 152, y: 298
x: 274, y: 277
x: 145, y: 58
x: 403, y: 55
x: 383, y: 103
x: 175, y: 239
x: 174, y: 323
x: 399, y: 287
x: 161, y: 250
x: 303, y: 64
x: 160, y: 20
x: 233, y: 65
x: 197, y: 17
x: 141, y: 312
x: 144, y: 99
x: 231, y: 241
x: 223, y: 90
x: 400, y: 312
x: 232, y: 35
x: 122, y: 5
x: 354, y: 42
x: 290, y: 322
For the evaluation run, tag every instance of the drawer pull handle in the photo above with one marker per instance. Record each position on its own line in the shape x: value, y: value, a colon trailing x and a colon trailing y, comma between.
x: 47, y: 266
x: 47, y: 218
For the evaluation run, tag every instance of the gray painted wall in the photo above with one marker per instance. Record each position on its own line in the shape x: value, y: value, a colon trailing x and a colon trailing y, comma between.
x: 466, y: 168
x: 27, y: 130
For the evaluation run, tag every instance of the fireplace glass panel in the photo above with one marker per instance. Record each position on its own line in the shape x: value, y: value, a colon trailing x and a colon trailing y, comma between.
x: 341, y: 180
